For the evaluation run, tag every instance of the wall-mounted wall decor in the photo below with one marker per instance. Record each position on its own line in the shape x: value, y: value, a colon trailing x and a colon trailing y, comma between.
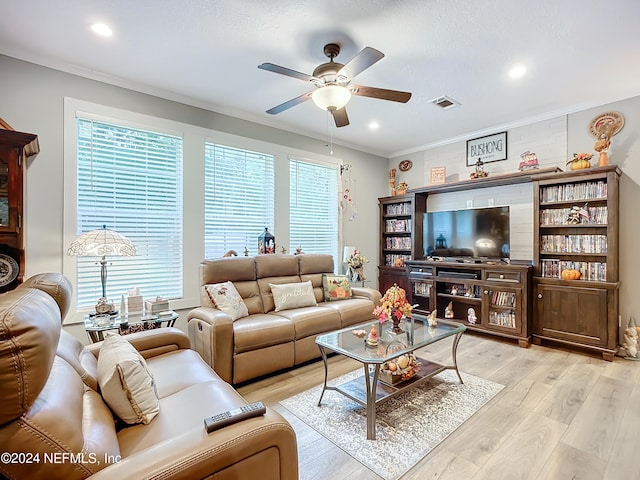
x: 405, y: 165
x: 438, y: 175
x: 491, y: 148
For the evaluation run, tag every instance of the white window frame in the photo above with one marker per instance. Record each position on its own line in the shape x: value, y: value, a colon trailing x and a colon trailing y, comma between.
x: 73, y: 109
x: 338, y: 205
x: 194, y: 138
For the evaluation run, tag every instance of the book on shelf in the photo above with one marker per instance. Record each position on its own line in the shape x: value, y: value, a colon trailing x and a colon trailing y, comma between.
x: 398, y: 243
x: 574, y: 191
x: 403, y: 208
x: 589, y: 271
x: 573, y: 244
x: 503, y: 319
x: 398, y: 225
x: 560, y: 216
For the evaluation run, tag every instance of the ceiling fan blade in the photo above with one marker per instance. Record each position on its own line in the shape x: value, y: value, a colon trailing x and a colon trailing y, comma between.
x: 363, y: 60
x: 270, y: 67
x: 340, y: 117
x: 291, y: 103
x: 381, y: 93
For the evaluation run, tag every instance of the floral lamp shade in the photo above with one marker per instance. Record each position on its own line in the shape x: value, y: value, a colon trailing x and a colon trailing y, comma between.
x: 101, y: 242
x: 266, y: 242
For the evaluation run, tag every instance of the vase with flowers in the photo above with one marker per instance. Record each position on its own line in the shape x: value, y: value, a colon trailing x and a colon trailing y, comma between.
x: 395, y: 307
x: 356, y: 263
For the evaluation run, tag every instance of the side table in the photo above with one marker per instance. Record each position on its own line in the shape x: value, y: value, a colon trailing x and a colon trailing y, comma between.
x: 96, y: 325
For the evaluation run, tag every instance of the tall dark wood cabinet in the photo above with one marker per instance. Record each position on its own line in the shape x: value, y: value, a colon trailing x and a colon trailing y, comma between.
x: 576, y: 228
x: 15, y: 149
x: 401, y: 219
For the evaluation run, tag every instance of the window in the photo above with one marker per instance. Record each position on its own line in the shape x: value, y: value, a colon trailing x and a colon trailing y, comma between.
x: 313, y: 213
x: 130, y: 180
x: 239, y: 198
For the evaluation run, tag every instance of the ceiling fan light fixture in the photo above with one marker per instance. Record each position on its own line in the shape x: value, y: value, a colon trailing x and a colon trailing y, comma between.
x: 331, y: 97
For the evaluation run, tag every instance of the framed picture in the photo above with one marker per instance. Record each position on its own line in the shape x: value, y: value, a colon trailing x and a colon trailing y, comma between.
x: 491, y: 148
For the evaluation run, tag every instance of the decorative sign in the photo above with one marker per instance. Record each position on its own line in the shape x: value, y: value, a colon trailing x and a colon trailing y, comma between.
x: 491, y: 148
x: 438, y: 175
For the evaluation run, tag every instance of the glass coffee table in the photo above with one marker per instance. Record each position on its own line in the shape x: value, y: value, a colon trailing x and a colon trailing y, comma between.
x: 368, y: 390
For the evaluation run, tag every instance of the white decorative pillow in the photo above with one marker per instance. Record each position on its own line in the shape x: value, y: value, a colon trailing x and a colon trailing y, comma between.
x: 293, y: 295
x: 225, y: 297
x: 126, y: 383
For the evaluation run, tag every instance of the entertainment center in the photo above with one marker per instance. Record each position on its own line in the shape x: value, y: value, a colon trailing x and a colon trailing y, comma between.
x: 461, y: 258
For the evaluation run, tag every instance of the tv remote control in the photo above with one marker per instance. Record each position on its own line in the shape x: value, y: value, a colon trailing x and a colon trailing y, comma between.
x: 232, y: 416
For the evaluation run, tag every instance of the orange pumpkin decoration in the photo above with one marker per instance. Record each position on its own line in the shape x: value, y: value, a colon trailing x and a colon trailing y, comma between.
x: 570, y: 274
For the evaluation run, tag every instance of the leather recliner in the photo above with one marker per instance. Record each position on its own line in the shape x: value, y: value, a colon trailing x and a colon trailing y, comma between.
x: 55, y: 424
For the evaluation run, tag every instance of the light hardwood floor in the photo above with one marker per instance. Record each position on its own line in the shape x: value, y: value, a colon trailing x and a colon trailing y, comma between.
x: 562, y: 415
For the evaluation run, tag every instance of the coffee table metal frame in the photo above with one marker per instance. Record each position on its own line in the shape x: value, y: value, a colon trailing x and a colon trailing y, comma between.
x: 367, y: 390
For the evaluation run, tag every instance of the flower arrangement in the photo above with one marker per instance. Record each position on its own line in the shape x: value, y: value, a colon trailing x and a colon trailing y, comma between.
x: 356, y: 260
x: 393, y: 305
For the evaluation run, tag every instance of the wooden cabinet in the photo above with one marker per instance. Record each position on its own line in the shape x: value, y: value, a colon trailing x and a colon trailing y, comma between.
x: 499, y: 295
x: 576, y: 228
x: 401, y: 236
x: 15, y: 149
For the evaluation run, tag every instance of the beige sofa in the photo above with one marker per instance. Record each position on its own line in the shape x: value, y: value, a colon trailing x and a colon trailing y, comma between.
x: 54, y: 422
x: 266, y: 341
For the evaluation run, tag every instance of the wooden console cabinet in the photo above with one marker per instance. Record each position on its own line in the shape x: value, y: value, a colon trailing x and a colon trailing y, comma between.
x: 15, y: 149
x: 577, y: 228
x: 498, y: 293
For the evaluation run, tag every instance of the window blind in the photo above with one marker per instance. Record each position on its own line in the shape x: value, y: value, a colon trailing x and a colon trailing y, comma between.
x: 239, y: 198
x: 130, y: 180
x: 313, y: 217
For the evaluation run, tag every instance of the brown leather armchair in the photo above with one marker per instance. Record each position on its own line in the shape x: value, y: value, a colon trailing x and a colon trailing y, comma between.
x: 55, y: 424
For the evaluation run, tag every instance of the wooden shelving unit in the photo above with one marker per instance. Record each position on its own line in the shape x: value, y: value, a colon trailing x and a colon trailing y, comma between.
x: 584, y: 312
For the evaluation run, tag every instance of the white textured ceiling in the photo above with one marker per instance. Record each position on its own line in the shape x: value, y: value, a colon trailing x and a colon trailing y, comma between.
x: 579, y: 53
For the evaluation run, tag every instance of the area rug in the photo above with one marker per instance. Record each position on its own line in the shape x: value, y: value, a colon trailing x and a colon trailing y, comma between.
x: 408, y: 426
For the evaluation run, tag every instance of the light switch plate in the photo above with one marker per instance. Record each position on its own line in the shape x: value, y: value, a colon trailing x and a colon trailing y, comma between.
x: 469, y: 203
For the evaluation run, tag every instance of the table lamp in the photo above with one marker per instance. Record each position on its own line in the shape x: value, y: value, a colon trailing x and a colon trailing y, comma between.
x: 102, y: 243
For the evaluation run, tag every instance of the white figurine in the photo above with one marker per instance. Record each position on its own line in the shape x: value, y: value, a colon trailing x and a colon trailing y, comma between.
x: 471, y: 316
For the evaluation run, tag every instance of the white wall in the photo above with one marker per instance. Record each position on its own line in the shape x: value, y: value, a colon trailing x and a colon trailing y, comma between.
x: 32, y: 100
x: 554, y: 141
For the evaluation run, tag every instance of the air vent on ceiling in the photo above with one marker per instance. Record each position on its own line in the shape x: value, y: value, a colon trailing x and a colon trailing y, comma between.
x: 445, y: 102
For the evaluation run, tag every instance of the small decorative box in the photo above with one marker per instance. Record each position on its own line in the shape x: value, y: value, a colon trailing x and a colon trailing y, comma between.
x: 156, y: 305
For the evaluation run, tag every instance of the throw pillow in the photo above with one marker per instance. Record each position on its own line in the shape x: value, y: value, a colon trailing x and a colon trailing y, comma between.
x: 336, y: 287
x: 126, y: 383
x: 293, y: 295
x: 225, y: 297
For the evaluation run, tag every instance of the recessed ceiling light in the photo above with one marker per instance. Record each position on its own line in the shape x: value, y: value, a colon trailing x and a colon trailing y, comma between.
x: 517, y: 71
x: 374, y: 125
x: 101, y: 29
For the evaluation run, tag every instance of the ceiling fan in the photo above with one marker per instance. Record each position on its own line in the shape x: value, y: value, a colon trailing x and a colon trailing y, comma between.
x: 333, y: 83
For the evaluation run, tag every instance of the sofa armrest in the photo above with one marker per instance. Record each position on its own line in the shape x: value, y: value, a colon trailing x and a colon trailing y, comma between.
x: 211, y: 335
x: 151, y: 343
x: 370, y: 293
x: 254, y: 448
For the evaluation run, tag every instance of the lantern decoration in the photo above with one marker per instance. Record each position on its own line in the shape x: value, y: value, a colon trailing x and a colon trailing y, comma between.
x: 266, y: 242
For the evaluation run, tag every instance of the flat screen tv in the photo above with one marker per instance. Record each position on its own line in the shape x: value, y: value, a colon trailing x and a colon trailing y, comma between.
x: 477, y: 233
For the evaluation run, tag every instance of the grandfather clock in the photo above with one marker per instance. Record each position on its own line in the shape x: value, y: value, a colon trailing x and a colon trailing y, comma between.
x: 15, y: 149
